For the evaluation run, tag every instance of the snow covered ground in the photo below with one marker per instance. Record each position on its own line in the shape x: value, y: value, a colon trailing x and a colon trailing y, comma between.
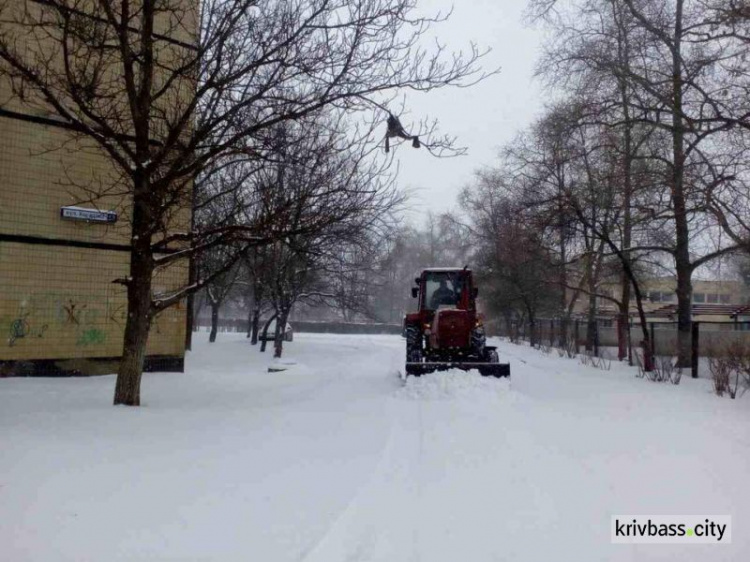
x: 336, y: 460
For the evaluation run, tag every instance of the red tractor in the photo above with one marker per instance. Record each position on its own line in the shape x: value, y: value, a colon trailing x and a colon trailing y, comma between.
x: 447, y: 332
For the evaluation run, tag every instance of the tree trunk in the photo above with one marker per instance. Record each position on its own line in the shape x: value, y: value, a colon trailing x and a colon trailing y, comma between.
x: 563, y: 267
x: 532, y: 331
x: 128, y: 385
x: 197, y: 312
x: 684, y: 318
x: 138, y: 321
x: 189, y: 322
x: 255, y: 326
x: 591, y: 322
x: 250, y: 322
x: 264, y: 339
x: 258, y: 294
x: 214, y: 321
x: 622, y: 332
x: 278, y: 342
x: 623, y: 318
x: 624, y: 59
x: 683, y: 266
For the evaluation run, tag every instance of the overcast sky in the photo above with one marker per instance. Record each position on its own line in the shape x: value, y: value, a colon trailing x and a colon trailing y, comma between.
x: 483, y: 117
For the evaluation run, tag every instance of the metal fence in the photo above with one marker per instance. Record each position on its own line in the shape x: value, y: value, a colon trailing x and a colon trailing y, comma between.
x: 605, y: 339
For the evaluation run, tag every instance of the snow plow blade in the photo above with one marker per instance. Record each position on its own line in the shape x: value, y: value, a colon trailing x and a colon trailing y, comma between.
x: 486, y: 369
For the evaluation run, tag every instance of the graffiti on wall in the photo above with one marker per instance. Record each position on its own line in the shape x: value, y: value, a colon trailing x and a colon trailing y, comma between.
x: 80, y: 316
x: 91, y: 336
x: 73, y: 312
x: 91, y: 323
x: 20, y: 327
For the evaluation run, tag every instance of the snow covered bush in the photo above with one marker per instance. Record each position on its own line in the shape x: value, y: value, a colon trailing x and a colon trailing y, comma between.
x: 567, y: 348
x: 665, y: 369
x: 599, y: 362
x: 719, y: 375
x: 730, y: 369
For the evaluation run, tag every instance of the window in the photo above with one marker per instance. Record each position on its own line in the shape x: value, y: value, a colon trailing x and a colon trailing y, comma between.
x: 448, y: 294
x: 712, y: 298
x: 724, y: 299
x: 660, y: 296
x: 699, y: 297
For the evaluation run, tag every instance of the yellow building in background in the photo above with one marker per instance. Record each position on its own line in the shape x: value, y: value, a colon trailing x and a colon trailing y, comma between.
x: 711, y: 300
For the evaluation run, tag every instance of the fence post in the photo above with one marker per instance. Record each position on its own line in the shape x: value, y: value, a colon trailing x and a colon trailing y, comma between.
x: 695, y: 356
x: 653, y: 338
x: 576, y: 335
x: 630, y: 341
x: 551, y: 332
x: 596, y: 338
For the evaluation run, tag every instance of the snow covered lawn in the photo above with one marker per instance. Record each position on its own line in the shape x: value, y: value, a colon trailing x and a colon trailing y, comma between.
x: 335, y: 459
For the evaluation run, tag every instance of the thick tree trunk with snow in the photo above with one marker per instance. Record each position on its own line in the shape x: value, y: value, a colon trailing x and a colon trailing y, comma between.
x: 128, y: 385
x: 138, y: 322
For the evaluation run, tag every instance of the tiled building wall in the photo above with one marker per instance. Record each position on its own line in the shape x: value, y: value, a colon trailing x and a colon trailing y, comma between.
x: 57, y: 298
x: 41, y: 173
x: 60, y: 303
x: 56, y: 301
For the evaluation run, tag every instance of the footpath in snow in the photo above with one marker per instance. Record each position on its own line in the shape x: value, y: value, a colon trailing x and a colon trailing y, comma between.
x: 336, y: 459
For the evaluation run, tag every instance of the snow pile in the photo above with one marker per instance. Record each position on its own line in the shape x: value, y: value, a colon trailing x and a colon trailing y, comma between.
x: 452, y: 384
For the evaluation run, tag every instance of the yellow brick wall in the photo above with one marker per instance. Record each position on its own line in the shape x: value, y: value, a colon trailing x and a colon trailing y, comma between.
x: 60, y: 303
x: 38, y: 177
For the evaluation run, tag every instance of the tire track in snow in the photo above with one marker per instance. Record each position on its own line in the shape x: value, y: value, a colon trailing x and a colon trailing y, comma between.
x: 385, y: 513
x: 406, y: 511
x: 326, y: 545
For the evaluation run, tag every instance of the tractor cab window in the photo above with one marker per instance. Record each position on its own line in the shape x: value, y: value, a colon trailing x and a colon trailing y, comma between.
x: 442, y: 289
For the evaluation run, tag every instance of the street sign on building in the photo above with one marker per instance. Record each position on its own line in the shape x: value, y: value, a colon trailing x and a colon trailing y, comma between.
x: 90, y: 215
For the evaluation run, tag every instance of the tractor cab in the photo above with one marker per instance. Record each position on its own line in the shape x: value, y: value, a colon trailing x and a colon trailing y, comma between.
x: 438, y: 288
x: 447, y: 331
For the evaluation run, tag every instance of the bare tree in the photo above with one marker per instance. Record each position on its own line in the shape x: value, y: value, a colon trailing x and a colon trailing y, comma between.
x: 660, y: 73
x: 221, y: 287
x: 168, y: 88
x: 320, y: 177
x: 512, y: 255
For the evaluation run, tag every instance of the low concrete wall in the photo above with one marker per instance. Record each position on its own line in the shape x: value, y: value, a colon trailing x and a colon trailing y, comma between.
x: 231, y: 325
x: 346, y: 328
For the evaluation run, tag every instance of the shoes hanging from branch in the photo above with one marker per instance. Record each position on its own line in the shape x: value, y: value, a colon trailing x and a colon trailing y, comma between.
x: 396, y: 129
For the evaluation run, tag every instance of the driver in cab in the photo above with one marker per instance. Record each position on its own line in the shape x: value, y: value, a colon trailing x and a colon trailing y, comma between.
x: 442, y: 296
